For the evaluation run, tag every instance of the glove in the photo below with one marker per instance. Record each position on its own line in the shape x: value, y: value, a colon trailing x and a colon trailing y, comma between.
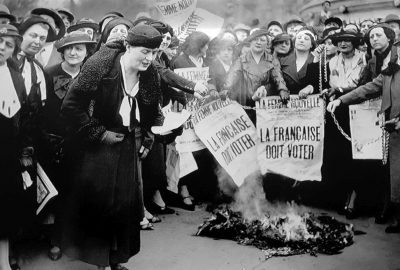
x: 110, y: 137
x: 200, y: 88
x: 260, y: 93
x: 285, y: 96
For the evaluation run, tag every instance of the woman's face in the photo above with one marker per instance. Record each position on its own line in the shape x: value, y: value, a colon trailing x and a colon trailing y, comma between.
x: 75, y: 54
x: 303, y: 42
x: 275, y: 30
x: 282, y: 47
x: 330, y: 48
x: 365, y: 26
x: 259, y: 44
x: 165, y: 42
x: 139, y: 58
x: 119, y: 32
x: 228, y: 36
x: 171, y: 52
x: 34, y: 38
x: 345, y: 47
x: 378, y: 39
x: 225, y: 55
x: 7, y: 47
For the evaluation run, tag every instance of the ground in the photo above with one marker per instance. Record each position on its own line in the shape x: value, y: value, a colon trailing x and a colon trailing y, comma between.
x: 172, y: 246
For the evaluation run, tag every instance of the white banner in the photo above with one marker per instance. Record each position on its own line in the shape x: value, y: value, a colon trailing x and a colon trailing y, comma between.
x: 366, y: 133
x: 229, y: 134
x: 175, y: 12
x: 189, y: 141
x: 203, y: 21
x: 291, y: 137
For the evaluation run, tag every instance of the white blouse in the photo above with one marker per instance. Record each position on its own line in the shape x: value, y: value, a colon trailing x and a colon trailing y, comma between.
x: 9, y: 101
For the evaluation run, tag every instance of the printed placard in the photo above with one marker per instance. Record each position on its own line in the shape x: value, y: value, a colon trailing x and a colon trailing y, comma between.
x: 291, y: 137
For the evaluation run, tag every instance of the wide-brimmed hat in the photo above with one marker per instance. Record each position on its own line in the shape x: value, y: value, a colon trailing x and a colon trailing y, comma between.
x: 390, y: 34
x: 294, y: 19
x: 336, y: 20
x: 144, y: 36
x: 56, y: 17
x: 392, y: 18
x: 257, y: 33
x: 84, y: 23
x: 8, y: 30
x: 72, y: 38
x: 36, y: 19
x: 5, y: 13
x: 327, y: 33
x: 111, y: 14
x: 70, y: 15
x: 345, y: 35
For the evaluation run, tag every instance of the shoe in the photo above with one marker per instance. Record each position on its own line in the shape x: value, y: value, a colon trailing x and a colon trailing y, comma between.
x: 393, y: 229
x: 187, y: 206
x: 54, y: 253
x: 118, y: 267
x: 145, y: 225
x: 156, y: 209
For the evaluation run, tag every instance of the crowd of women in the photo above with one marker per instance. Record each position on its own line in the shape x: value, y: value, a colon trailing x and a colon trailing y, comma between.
x: 80, y: 98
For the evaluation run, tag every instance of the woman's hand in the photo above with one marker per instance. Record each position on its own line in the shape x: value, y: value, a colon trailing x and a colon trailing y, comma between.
x: 333, y: 105
x: 306, y: 91
x: 392, y: 124
x: 200, y: 88
x: 260, y: 93
x: 317, y: 52
x: 285, y: 96
x: 110, y: 137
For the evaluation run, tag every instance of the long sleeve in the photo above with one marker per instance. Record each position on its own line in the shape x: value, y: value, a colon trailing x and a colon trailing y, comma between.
x: 364, y: 92
x: 234, y: 75
x: 277, y: 76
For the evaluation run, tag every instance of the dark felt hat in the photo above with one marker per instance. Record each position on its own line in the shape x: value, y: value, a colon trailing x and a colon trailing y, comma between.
x: 5, y: 13
x: 392, y: 18
x: 54, y: 14
x: 35, y: 19
x: 275, y: 23
x: 336, y: 20
x: 111, y: 14
x: 8, y: 30
x: 163, y: 28
x: 72, y: 38
x: 345, y: 35
x: 280, y: 38
x: 327, y: 33
x: 111, y: 24
x: 70, y: 15
x: 84, y: 23
x: 257, y: 33
x: 144, y: 36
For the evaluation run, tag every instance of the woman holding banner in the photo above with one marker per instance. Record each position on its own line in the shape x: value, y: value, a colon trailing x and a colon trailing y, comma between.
x: 255, y: 74
x: 386, y: 83
x: 203, y: 182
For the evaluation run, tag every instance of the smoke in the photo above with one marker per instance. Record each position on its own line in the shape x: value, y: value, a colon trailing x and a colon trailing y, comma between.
x: 250, y: 199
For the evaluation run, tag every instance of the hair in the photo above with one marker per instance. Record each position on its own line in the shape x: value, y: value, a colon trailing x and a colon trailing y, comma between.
x: 224, y: 44
x: 194, y: 43
x: 90, y: 50
x: 313, y: 41
x: 329, y: 2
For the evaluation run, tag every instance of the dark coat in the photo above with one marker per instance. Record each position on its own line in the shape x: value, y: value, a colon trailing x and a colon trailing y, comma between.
x: 386, y: 84
x: 104, y: 206
x: 13, y: 138
x: 307, y: 75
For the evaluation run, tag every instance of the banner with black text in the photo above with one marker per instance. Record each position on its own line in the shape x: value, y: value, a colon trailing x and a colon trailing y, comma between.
x: 291, y: 137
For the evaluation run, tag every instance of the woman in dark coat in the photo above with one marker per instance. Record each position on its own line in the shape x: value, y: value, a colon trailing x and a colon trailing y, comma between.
x: 12, y: 143
x: 110, y: 109
x: 75, y: 47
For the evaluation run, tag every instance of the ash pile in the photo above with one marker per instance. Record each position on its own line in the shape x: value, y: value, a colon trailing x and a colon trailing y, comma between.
x: 280, y: 234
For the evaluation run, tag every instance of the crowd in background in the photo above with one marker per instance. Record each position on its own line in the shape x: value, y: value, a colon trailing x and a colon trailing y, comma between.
x: 79, y: 98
